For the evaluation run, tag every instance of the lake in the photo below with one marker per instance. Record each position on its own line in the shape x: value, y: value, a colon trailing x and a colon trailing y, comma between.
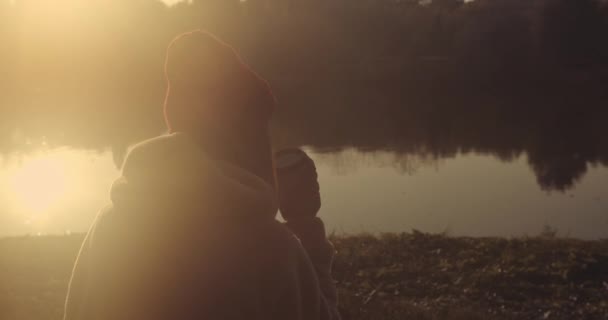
x: 467, y: 193
x: 466, y: 158
x: 419, y: 117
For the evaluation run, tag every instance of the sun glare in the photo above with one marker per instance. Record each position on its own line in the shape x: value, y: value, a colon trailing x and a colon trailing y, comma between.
x: 172, y: 2
x: 40, y: 184
x: 50, y: 189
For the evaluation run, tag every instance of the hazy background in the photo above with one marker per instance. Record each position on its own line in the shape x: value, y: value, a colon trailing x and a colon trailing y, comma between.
x: 504, y: 98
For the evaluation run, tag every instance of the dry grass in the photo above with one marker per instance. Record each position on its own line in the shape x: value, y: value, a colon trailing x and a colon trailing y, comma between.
x: 394, y: 276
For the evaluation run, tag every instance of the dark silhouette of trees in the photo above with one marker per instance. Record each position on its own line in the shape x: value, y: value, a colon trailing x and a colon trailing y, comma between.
x: 503, y: 77
x: 573, y: 32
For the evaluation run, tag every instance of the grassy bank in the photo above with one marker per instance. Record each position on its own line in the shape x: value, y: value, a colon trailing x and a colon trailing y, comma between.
x: 405, y: 276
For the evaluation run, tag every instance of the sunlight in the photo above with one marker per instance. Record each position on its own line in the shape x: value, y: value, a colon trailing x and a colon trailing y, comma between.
x: 172, y: 2
x: 51, y: 189
x: 41, y: 183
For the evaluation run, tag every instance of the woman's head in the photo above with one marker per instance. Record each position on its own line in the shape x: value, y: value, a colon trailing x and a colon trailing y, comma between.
x: 216, y: 98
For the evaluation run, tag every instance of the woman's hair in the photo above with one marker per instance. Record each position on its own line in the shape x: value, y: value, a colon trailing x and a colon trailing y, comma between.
x: 216, y: 98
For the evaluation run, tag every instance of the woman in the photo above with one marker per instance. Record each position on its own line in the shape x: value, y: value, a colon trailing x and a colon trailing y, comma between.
x: 191, y: 230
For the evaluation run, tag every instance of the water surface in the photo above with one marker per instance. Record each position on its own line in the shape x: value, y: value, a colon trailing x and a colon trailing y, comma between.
x: 380, y: 191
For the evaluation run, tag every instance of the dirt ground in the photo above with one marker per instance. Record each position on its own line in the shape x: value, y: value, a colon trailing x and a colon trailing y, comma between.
x: 393, y: 276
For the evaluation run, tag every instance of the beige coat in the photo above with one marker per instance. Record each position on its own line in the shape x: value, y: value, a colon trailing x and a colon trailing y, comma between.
x: 186, y: 237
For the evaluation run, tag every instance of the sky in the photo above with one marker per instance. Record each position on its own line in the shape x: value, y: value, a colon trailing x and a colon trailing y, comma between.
x: 171, y: 2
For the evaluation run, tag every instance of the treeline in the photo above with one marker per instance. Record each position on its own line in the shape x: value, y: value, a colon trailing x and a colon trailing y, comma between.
x: 442, y: 76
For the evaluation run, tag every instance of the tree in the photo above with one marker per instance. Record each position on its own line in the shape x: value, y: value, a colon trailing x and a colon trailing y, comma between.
x: 571, y: 32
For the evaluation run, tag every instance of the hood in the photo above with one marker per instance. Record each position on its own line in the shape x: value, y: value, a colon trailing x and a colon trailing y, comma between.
x: 172, y: 174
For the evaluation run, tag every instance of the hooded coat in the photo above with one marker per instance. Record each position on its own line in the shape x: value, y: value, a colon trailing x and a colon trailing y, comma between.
x: 189, y: 237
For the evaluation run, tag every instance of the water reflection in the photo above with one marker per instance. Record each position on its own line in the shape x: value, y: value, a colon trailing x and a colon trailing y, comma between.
x: 506, y: 154
x: 468, y: 195
x: 362, y: 192
x: 52, y: 190
x: 561, y: 140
